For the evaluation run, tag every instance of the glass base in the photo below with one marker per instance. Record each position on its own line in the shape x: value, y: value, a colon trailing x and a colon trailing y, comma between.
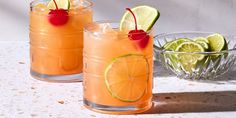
x: 116, y: 109
x: 57, y: 78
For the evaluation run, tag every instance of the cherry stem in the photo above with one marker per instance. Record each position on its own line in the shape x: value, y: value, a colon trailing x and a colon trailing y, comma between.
x: 135, y: 21
x: 55, y: 4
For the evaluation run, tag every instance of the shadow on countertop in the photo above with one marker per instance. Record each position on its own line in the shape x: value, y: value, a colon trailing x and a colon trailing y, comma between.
x: 193, y: 102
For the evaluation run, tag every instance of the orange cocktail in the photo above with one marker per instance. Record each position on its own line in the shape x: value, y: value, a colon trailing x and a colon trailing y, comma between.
x: 117, y: 70
x: 56, y: 39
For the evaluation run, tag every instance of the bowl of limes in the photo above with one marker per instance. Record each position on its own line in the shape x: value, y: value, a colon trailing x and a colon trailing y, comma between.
x: 196, y: 55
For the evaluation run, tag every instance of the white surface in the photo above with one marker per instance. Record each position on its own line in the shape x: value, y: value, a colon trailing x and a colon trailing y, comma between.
x: 24, y: 97
x: 176, y: 15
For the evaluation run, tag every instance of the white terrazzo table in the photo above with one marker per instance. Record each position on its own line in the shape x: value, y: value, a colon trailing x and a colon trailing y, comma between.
x: 21, y: 96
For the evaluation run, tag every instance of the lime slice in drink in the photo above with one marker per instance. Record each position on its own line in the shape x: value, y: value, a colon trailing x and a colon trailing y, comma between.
x: 62, y: 4
x: 201, y: 39
x: 126, y: 77
x: 189, y: 61
x: 146, y: 17
x: 203, y: 43
x: 217, y: 42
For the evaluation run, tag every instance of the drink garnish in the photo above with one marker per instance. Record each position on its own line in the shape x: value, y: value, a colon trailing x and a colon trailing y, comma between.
x: 126, y: 77
x: 139, y: 36
x: 58, y: 16
x: 146, y: 18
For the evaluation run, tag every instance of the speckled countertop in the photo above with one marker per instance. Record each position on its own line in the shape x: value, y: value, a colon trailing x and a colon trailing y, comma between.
x: 24, y: 97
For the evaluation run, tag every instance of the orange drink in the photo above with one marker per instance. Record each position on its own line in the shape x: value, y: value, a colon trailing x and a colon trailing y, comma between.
x: 118, y: 63
x: 117, y: 70
x: 56, y: 38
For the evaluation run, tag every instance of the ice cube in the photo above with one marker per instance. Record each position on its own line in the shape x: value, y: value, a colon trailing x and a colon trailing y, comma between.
x: 106, y: 27
x: 42, y: 8
x: 78, y: 4
x: 101, y: 29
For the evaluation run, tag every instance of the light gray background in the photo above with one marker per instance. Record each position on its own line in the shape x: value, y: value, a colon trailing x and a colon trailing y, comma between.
x: 176, y: 15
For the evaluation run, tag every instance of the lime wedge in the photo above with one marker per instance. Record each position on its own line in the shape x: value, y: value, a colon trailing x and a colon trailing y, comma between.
x: 126, y: 77
x: 146, y: 17
x: 217, y: 42
x: 201, y: 39
x: 62, y: 4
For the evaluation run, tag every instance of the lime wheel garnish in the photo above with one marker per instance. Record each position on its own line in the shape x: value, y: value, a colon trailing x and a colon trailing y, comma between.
x: 126, y: 77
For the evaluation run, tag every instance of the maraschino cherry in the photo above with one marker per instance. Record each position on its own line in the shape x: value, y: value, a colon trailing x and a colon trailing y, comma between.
x: 57, y: 16
x: 139, y: 36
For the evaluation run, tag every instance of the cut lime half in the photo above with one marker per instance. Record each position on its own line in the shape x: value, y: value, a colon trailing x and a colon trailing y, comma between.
x: 174, y: 44
x: 217, y: 42
x: 203, y: 43
x: 62, y: 4
x: 146, y: 17
x: 187, y: 59
x: 171, y: 46
x: 126, y: 77
x: 167, y: 45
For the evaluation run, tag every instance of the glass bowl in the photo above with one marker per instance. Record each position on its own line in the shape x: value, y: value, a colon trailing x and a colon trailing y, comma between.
x: 211, y: 66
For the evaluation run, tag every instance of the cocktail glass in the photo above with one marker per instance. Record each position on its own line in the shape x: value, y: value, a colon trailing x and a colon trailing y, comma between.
x: 117, y: 70
x: 55, y: 47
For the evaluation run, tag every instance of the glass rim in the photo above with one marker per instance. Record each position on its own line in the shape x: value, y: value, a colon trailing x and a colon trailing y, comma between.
x: 90, y: 4
x: 87, y: 29
x: 162, y: 50
x: 191, y: 53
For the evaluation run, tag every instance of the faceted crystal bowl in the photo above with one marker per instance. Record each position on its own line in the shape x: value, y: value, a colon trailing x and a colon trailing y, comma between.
x: 212, y: 66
